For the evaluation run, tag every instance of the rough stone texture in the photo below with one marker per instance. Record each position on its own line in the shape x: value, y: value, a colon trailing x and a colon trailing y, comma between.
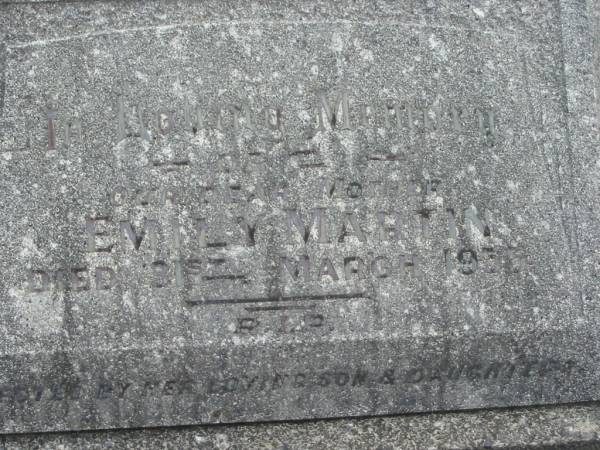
x: 453, y: 260
x: 564, y: 427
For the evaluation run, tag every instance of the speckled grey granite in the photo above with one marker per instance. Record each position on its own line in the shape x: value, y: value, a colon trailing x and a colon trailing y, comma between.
x: 218, y: 212
x: 566, y: 427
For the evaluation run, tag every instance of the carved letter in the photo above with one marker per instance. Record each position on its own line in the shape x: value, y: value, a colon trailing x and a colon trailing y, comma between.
x: 350, y: 219
x: 332, y: 112
x: 294, y: 267
x: 92, y: 232
x: 105, y: 278
x: 128, y: 232
x: 294, y: 219
x: 249, y: 230
x: 327, y: 269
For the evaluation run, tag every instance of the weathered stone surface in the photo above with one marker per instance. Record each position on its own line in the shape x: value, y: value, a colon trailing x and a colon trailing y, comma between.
x: 550, y: 427
x: 288, y: 210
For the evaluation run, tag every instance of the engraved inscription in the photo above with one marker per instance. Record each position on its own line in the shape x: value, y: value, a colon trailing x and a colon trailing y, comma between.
x: 287, y: 215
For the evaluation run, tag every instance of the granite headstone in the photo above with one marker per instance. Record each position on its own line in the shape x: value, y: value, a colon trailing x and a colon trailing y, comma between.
x: 218, y: 212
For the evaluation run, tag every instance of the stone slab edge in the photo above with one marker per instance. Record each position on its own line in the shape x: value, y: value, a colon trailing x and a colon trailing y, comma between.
x: 565, y: 426
x: 48, y: 1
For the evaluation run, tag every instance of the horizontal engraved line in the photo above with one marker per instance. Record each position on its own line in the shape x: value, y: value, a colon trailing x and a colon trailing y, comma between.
x: 274, y: 299
x: 280, y: 308
x: 180, y: 162
x: 216, y: 260
x: 379, y: 157
x: 309, y: 166
x: 216, y: 244
x: 303, y: 152
x: 227, y: 276
x: 41, y: 42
